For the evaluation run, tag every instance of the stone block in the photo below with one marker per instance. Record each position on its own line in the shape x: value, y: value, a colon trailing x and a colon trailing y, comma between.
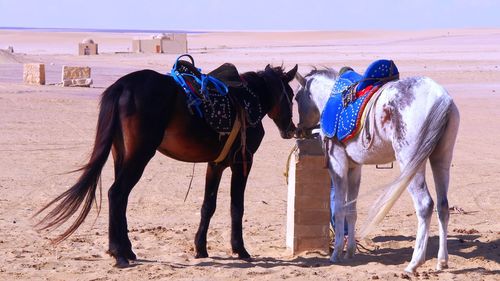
x: 312, y: 217
x: 309, y: 147
x: 312, y: 244
x: 82, y: 82
x: 308, y: 206
x: 316, y: 203
x: 34, y: 73
x: 75, y: 76
x: 312, y: 231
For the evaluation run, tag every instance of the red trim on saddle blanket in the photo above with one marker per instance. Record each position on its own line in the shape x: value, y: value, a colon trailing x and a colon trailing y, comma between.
x: 369, y: 90
x: 364, y: 91
x: 191, y: 87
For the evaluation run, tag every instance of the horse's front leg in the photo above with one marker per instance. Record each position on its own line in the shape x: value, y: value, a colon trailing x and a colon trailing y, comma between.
x: 212, y: 181
x: 338, y: 167
x: 238, y: 183
x: 354, y: 177
x: 340, y: 212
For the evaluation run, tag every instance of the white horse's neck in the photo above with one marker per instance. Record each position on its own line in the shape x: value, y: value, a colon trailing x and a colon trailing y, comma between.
x: 320, y: 89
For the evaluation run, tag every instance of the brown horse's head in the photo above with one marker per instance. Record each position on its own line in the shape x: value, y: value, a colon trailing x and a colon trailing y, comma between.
x: 281, y: 111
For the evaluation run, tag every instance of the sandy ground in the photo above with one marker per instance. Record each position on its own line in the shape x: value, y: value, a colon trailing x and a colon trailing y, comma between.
x: 46, y: 131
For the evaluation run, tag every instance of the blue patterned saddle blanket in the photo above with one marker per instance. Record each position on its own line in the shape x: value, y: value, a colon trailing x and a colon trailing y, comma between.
x: 216, y: 96
x: 342, y: 115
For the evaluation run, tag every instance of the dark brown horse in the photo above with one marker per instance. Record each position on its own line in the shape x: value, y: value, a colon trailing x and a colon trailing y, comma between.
x: 144, y: 112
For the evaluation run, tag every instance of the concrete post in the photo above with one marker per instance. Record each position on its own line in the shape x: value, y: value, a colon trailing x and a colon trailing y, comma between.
x: 308, y: 209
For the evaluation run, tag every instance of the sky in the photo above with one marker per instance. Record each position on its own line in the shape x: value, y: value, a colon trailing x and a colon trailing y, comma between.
x: 259, y: 15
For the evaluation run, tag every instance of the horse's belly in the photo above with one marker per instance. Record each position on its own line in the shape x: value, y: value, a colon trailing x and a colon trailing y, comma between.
x: 189, y: 148
x: 374, y: 155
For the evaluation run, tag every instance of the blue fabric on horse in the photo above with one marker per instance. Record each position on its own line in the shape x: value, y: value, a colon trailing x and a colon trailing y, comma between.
x: 340, y: 116
x: 345, y: 80
x: 348, y: 118
x: 330, y: 115
x: 203, y: 81
x: 378, y: 72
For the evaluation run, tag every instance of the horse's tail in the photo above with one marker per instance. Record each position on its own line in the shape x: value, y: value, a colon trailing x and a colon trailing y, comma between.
x: 84, y: 190
x: 430, y: 133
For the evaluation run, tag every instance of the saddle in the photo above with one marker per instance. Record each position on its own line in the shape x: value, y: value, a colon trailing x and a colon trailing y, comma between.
x: 343, y: 114
x: 218, y: 96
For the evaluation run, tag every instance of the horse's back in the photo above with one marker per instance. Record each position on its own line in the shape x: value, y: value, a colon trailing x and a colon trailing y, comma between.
x: 395, y: 120
x: 145, y: 80
x: 413, y: 90
x: 405, y: 103
x: 413, y: 100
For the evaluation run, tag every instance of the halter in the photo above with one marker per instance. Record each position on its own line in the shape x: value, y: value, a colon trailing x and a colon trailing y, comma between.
x: 290, y: 103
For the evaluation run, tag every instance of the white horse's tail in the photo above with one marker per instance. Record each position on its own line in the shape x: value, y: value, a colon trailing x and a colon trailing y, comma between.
x: 430, y: 133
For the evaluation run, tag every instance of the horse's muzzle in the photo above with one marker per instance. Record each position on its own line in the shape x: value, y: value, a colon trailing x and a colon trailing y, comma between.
x: 289, y: 132
x: 303, y: 133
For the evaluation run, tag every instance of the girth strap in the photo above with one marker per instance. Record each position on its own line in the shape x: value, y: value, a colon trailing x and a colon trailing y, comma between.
x: 229, y: 141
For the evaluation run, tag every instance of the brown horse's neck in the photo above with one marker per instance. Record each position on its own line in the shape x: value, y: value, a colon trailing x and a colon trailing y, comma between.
x: 256, y: 84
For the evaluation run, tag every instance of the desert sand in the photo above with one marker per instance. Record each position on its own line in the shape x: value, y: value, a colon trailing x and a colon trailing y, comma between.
x: 47, y: 131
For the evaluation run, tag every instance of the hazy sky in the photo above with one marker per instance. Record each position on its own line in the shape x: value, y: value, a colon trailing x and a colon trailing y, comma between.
x: 250, y: 14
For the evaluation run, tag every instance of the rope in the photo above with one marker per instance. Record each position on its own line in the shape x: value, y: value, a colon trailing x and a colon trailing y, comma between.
x: 190, y: 182
x: 289, y: 158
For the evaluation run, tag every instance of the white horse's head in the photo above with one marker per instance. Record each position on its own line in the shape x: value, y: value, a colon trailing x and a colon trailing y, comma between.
x: 312, y: 94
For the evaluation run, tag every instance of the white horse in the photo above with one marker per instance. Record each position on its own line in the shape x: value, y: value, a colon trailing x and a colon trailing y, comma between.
x: 411, y: 120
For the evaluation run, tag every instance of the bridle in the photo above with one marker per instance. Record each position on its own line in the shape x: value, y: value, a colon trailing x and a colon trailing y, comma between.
x: 284, y: 94
x: 307, y: 131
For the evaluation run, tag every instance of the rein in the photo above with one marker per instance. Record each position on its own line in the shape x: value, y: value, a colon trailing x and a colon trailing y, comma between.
x: 291, y: 110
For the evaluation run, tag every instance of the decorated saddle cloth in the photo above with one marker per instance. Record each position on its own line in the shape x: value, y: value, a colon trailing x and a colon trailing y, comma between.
x: 216, y: 96
x: 342, y: 117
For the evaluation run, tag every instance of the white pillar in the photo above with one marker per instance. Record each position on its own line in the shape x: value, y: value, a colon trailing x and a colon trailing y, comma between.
x: 308, y: 206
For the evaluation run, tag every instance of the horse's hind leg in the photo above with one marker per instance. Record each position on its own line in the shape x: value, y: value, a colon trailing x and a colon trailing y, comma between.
x: 131, y: 153
x: 131, y: 170
x: 238, y: 184
x: 212, y: 181
x: 424, y: 207
x: 441, y: 180
x: 440, y: 160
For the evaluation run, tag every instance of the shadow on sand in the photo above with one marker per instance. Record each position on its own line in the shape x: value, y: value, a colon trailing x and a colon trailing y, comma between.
x: 465, y: 246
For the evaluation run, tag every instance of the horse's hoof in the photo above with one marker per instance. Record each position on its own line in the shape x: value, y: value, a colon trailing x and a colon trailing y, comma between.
x: 245, y: 257
x: 349, y: 253
x: 335, y: 259
x: 201, y: 255
x: 130, y: 256
x: 348, y: 256
x: 243, y: 254
x: 441, y: 265
x: 121, y: 262
x: 410, y: 269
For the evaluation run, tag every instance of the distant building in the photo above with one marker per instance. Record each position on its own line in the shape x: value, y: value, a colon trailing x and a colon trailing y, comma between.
x: 87, y: 47
x: 170, y: 43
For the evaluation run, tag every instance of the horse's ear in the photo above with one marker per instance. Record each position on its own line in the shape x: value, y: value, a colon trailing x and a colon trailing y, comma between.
x: 268, y: 68
x: 290, y: 74
x: 300, y: 79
